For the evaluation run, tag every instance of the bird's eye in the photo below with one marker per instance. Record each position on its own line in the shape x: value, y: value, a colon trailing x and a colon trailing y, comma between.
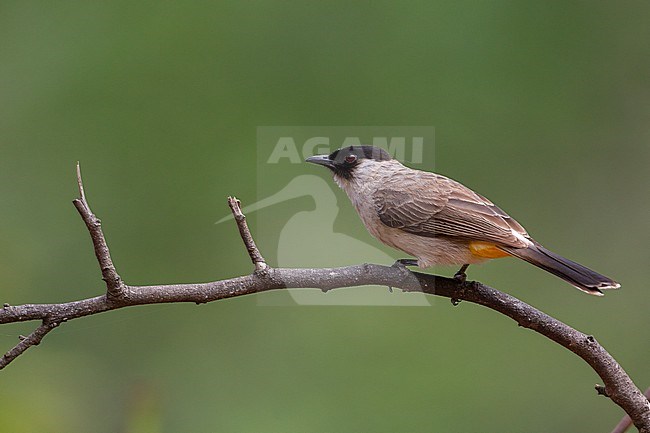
x: 350, y: 159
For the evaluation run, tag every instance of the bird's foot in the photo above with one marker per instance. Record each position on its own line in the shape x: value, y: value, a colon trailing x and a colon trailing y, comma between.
x: 461, y: 276
x: 403, y: 263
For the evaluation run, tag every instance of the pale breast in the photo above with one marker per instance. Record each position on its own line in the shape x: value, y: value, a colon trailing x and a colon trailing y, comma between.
x: 428, y: 250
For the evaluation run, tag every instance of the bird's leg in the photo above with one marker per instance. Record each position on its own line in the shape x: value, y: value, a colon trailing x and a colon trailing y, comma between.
x: 402, y: 263
x: 460, y: 275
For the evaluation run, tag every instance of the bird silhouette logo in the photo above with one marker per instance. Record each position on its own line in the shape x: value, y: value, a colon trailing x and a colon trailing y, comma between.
x: 308, y: 240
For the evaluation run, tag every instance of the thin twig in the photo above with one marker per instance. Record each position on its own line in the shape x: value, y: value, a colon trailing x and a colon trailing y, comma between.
x: 626, y: 422
x: 32, y: 339
x: 240, y: 218
x: 80, y: 185
x: 116, y: 290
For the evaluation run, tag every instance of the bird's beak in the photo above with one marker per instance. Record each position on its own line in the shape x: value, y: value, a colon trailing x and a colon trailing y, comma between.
x: 321, y: 160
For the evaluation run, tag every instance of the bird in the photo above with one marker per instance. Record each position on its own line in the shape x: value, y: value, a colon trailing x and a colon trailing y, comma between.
x: 438, y: 220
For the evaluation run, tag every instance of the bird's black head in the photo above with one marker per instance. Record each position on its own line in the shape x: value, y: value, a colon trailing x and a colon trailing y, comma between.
x: 344, y: 161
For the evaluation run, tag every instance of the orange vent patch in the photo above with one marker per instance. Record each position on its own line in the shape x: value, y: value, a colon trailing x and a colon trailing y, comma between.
x: 486, y: 250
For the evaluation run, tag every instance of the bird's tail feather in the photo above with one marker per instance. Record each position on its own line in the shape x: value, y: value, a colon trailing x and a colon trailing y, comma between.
x: 574, y: 273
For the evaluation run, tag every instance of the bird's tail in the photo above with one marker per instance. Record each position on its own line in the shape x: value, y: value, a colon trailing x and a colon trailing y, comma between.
x: 574, y: 273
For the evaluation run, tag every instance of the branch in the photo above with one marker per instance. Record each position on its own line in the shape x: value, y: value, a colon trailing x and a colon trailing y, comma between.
x: 116, y: 289
x: 33, y: 339
x: 626, y: 422
x: 617, y: 384
x: 240, y: 218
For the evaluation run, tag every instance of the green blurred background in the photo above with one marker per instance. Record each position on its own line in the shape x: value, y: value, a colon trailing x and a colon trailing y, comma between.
x: 541, y: 106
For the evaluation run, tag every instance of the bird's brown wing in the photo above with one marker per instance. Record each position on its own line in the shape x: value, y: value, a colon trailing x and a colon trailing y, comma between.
x: 426, y: 204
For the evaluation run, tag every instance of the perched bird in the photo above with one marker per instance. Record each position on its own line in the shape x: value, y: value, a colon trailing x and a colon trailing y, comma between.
x: 438, y: 220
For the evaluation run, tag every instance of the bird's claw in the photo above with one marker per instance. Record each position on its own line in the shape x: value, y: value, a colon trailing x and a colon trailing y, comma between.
x: 403, y: 263
x: 461, y: 277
